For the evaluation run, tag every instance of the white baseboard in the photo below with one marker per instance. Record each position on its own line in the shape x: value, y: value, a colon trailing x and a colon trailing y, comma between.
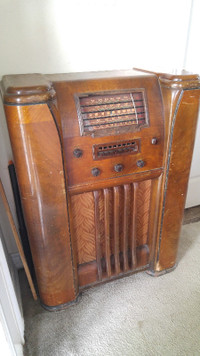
x: 193, y: 194
x: 16, y: 260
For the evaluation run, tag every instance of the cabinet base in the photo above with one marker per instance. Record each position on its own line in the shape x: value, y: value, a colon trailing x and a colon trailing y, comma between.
x: 61, y: 306
x: 161, y: 273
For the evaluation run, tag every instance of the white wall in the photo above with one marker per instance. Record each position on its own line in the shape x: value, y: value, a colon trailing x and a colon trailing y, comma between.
x: 5, y: 157
x: 83, y: 35
x: 52, y: 36
x: 192, y: 61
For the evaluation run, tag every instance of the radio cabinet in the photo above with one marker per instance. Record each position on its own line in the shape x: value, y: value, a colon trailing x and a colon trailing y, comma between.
x: 102, y: 162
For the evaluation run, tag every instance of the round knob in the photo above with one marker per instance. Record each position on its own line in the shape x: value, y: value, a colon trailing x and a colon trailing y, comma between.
x: 140, y: 163
x: 77, y: 153
x: 154, y: 141
x: 118, y: 167
x: 95, y: 172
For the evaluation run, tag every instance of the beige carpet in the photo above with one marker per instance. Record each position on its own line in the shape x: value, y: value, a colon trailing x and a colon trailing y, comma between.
x: 138, y: 315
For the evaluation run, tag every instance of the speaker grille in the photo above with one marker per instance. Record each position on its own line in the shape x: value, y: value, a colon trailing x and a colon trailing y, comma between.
x: 111, y: 112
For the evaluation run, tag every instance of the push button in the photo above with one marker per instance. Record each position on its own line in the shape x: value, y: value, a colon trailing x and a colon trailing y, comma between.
x: 95, y: 172
x: 77, y: 153
x: 140, y: 163
x: 118, y: 167
x: 154, y: 141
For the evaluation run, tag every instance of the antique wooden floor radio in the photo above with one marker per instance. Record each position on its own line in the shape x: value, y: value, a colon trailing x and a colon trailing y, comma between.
x: 102, y: 161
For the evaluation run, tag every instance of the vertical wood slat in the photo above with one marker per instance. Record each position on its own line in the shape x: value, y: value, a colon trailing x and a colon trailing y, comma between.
x: 125, y: 228
x: 153, y: 219
x: 107, y: 231
x: 133, y: 228
x: 116, y: 229
x: 97, y: 233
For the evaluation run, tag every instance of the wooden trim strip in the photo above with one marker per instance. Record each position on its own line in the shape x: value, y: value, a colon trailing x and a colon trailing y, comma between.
x: 133, y: 232
x: 153, y: 230
x: 107, y: 231
x: 116, y: 229
x: 111, y: 182
x: 97, y: 233
x: 125, y: 227
x: 167, y: 169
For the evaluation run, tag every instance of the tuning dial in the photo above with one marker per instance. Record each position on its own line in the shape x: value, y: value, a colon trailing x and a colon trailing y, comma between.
x: 140, y: 163
x: 95, y: 172
x: 118, y: 167
x: 154, y: 141
x: 77, y: 153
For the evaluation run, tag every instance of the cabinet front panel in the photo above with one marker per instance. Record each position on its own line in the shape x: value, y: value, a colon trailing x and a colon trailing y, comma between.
x: 110, y: 229
x: 111, y: 128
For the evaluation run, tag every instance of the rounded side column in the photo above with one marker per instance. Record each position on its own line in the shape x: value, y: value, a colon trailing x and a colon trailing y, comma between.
x: 39, y: 167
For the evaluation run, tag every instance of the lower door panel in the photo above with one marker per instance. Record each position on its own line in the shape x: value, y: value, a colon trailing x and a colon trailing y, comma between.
x: 111, y: 231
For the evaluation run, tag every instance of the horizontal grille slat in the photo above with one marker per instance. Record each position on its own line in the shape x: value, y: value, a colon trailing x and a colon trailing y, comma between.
x: 105, y: 126
x: 111, y: 98
x: 113, y: 122
x: 110, y: 115
x: 102, y: 107
x: 109, y: 111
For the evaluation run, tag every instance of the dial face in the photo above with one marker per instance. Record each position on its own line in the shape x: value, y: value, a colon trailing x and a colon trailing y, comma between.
x: 101, y: 114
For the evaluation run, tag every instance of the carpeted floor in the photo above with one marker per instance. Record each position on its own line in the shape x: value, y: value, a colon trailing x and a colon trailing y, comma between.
x: 135, y: 316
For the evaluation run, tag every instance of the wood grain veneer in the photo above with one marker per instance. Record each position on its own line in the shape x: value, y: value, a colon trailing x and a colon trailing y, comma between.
x: 101, y: 204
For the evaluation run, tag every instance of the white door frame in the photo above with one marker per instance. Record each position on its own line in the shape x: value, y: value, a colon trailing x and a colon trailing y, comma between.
x: 11, y: 317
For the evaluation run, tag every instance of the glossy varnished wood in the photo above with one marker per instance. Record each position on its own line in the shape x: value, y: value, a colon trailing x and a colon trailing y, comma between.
x: 40, y: 172
x: 116, y: 229
x: 129, y: 178
x: 97, y: 234
x: 87, y: 274
x: 125, y: 227
x: 152, y: 155
x: 84, y: 226
x: 87, y: 228
x: 27, y: 89
x: 108, y: 227
x: 177, y: 175
x: 133, y: 226
x: 107, y: 231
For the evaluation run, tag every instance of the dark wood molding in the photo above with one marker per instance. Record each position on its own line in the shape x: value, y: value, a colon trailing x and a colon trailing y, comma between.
x: 26, y: 89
